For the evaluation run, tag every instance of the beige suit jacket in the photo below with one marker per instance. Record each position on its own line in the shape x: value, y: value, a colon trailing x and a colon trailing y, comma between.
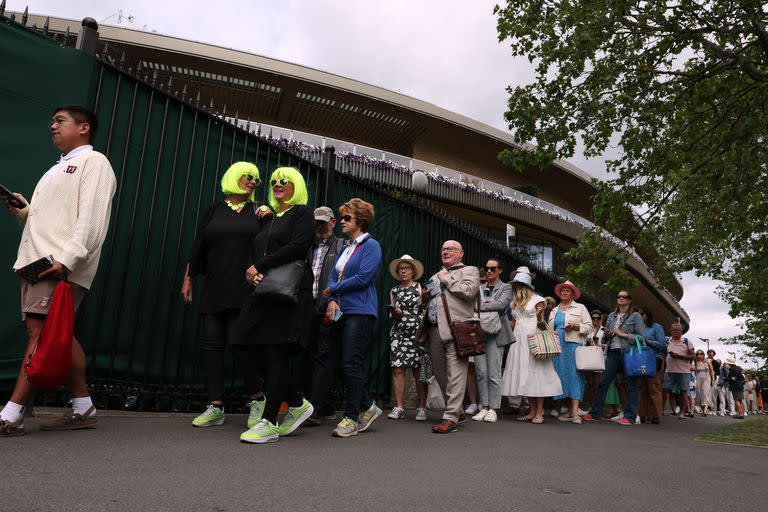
x: 461, y: 286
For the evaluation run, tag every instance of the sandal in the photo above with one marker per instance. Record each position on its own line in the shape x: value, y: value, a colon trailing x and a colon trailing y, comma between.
x: 577, y: 420
x: 537, y: 421
x: 524, y: 419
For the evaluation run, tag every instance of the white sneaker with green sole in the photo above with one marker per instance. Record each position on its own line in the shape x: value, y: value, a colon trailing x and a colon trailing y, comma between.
x: 212, y: 417
x: 262, y: 432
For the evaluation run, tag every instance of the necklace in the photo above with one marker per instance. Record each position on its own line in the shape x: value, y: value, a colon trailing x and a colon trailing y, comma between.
x: 235, y: 206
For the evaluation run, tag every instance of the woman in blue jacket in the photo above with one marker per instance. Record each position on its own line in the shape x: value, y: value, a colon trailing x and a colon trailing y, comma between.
x: 352, y: 309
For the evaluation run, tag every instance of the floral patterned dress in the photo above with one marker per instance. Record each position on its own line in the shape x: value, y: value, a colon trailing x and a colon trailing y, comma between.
x: 403, y: 349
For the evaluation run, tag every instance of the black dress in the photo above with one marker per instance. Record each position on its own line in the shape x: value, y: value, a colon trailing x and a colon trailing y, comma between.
x: 222, y: 252
x: 281, y: 240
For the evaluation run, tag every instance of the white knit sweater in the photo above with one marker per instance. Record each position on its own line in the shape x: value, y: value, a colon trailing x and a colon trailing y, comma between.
x: 68, y: 214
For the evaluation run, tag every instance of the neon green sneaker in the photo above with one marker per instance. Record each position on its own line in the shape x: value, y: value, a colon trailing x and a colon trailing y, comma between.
x: 345, y: 428
x: 212, y: 417
x: 295, y: 417
x: 262, y: 432
x: 257, y: 411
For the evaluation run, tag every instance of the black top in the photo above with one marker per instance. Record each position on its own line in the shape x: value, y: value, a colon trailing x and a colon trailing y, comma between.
x: 222, y: 252
x: 715, y: 366
x: 284, y: 239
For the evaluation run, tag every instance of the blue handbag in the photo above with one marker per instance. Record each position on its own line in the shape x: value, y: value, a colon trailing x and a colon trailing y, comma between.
x: 640, y: 360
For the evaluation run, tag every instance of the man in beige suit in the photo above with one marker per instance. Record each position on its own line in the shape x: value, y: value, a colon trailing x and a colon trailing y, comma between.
x: 460, y: 284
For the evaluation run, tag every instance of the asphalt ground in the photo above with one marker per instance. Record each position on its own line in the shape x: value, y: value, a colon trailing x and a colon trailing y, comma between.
x: 159, y: 462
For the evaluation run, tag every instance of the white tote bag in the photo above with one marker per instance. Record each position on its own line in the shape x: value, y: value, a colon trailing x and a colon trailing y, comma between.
x: 435, y: 400
x: 590, y: 359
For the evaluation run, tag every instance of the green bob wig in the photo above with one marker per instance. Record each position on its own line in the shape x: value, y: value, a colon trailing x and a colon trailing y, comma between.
x: 300, y: 195
x: 230, y: 182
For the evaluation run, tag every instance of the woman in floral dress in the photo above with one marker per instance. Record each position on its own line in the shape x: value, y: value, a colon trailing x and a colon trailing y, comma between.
x: 404, y: 306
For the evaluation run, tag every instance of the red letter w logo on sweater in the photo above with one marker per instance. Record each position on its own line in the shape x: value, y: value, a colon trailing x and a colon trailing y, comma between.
x: 70, y: 169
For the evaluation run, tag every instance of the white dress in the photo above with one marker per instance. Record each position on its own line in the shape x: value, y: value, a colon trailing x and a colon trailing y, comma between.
x: 524, y: 375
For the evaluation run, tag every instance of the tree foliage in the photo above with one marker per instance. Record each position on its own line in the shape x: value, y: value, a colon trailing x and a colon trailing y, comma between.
x: 681, y: 88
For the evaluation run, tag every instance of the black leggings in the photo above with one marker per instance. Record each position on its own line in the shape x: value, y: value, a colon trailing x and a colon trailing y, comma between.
x: 218, y: 332
x: 274, y: 364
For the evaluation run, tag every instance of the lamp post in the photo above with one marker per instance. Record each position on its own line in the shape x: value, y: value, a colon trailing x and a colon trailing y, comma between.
x: 705, y: 340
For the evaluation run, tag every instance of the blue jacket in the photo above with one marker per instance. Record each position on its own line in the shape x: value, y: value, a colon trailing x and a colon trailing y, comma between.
x: 356, y: 292
x: 656, y: 339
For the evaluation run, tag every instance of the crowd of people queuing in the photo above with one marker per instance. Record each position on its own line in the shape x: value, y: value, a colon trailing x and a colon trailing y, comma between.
x: 284, y: 292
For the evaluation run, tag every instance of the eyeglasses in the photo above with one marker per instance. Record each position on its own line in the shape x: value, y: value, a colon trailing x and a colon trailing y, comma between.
x: 282, y: 181
x: 58, y: 121
x: 620, y: 296
x: 346, y: 218
x: 491, y: 269
x: 250, y: 178
x: 450, y: 249
x: 404, y: 268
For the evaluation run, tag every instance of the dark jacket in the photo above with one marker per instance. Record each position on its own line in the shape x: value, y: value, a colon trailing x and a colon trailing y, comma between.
x: 335, y: 245
x: 281, y: 240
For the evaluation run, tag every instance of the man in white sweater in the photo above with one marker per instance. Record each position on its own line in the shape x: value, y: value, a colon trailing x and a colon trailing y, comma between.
x: 66, y: 220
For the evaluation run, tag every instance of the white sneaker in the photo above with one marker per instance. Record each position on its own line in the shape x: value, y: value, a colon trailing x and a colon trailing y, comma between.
x: 491, y: 417
x: 677, y: 410
x: 471, y: 409
x: 618, y: 417
x: 637, y: 420
x: 563, y: 409
x: 396, y: 414
x: 582, y: 412
x: 421, y: 414
x: 554, y: 413
x: 480, y: 416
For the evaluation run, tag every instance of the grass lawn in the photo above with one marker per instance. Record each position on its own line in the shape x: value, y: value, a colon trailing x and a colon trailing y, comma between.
x: 752, y: 432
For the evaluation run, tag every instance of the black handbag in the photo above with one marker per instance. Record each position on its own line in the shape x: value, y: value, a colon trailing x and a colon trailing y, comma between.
x: 281, y: 283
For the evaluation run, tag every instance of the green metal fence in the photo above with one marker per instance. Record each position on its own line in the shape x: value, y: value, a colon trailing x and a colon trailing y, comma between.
x: 168, y: 152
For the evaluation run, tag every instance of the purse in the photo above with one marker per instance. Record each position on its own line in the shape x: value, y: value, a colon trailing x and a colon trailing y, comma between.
x: 468, y: 337
x: 639, y: 360
x: 30, y: 272
x: 544, y: 344
x: 590, y: 359
x: 490, y: 322
x: 281, y: 283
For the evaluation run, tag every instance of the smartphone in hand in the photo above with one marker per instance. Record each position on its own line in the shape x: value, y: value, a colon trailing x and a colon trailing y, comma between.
x: 12, y: 199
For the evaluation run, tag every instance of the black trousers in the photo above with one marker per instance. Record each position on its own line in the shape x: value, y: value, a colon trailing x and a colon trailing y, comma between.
x: 319, y: 373
x: 218, y: 332
x: 274, y: 363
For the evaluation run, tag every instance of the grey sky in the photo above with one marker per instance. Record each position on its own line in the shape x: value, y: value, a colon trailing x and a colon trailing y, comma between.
x: 445, y: 52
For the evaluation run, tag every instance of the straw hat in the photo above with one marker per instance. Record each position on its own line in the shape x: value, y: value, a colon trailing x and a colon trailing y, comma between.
x: 730, y: 361
x: 417, y: 267
x: 568, y: 284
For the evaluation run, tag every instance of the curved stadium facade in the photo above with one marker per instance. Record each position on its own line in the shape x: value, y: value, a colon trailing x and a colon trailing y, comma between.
x: 308, y: 110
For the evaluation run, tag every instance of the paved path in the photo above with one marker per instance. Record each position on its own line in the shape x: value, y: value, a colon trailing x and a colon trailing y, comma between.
x: 158, y: 462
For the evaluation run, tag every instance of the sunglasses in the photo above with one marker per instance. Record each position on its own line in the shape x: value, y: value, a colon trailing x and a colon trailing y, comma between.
x: 282, y: 181
x: 596, y: 318
x: 491, y: 269
x: 250, y: 178
x: 346, y: 218
x: 623, y: 296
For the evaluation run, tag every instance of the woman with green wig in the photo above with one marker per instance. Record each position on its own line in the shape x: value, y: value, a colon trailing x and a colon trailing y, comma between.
x: 275, y: 331
x: 220, y: 253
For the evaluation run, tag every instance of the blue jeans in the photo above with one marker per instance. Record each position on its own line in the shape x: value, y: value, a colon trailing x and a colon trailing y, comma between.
x: 352, y: 335
x: 614, y: 364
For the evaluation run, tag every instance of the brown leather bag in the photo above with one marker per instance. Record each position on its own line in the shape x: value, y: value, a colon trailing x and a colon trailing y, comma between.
x: 468, y: 336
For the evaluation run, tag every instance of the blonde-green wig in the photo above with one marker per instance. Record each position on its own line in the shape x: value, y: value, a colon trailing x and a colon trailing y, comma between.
x: 300, y: 194
x: 230, y: 182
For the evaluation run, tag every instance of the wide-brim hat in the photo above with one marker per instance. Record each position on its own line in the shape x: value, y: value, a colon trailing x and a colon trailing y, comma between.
x: 418, y: 268
x: 568, y: 284
x: 731, y: 361
x: 524, y: 278
x: 522, y: 270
